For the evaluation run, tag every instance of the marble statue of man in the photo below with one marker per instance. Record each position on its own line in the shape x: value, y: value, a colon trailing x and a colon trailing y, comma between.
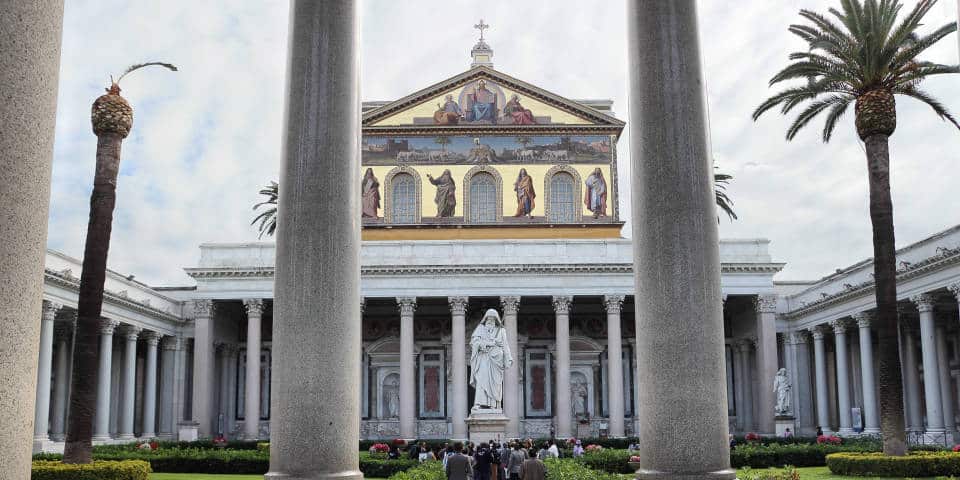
x: 489, y: 357
x: 781, y: 386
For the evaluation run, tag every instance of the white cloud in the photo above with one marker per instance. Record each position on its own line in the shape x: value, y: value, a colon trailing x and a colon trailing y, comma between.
x: 206, y: 138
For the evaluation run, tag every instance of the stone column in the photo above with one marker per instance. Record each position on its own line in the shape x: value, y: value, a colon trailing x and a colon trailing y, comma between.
x: 168, y: 364
x: 744, y: 346
x: 101, y: 428
x: 61, y: 334
x: 408, y: 387
x: 29, y: 68
x: 738, y: 385
x: 317, y: 291
x: 125, y: 428
x: 676, y: 248
x: 203, y: 358
x: 561, y: 305
x: 803, y: 406
x: 44, y: 372
x: 511, y: 376
x: 820, y: 369
x: 843, y: 376
x: 871, y: 417
x: 911, y: 379
x: 613, y: 304
x: 149, y: 429
x: 223, y: 358
x: 931, y: 374
x: 231, y: 392
x: 766, y: 308
x: 946, y: 392
x: 251, y: 402
x: 458, y: 350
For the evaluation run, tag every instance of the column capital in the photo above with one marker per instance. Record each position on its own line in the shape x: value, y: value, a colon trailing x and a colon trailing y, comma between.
x: 864, y: 319
x: 203, y: 307
x: 151, y: 338
x: 561, y: 304
x: 108, y: 325
x: 458, y: 305
x: 745, y: 344
x: 510, y: 304
x: 817, y: 332
x: 253, y: 306
x: 839, y: 326
x: 363, y: 305
x: 62, y: 330
x: 130, y: 332
x: 407, y: 305
x: 170, y: 343
x: 955, y: 289
x: 765, y: 303
x: 613, y: 303
x: 50, y: 310
x: 924, y: 301
x: 797, y: 337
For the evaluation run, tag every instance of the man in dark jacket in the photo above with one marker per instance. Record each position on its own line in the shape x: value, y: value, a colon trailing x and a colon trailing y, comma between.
x: 458, y: 465
x: 533, y: 469
x: 482, y: 460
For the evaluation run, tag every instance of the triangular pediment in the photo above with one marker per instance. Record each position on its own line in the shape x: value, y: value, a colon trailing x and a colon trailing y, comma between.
x: 482, y: 98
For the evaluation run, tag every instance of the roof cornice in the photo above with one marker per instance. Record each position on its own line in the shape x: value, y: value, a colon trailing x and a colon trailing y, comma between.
x: 73, y: 284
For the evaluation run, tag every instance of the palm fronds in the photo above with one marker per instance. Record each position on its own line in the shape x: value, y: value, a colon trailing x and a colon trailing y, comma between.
x: 267, y: 218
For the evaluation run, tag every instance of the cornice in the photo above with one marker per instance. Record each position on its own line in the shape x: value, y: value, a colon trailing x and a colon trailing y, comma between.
x: 73, y: 284
x: 946, y: 258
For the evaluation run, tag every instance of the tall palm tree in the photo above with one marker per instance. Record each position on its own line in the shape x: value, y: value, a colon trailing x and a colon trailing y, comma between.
x: 112, y: 118
x: 268, y: 217
x: 866, y: 59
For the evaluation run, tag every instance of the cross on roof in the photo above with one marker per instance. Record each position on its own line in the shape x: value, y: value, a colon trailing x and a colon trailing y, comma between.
x: 481, y: 26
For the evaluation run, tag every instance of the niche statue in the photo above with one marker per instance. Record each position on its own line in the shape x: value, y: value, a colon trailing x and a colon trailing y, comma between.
x: 489, y: 357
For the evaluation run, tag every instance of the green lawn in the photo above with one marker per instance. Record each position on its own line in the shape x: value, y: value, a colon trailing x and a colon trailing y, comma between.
x: 817, y: 473
x: 204, y: 476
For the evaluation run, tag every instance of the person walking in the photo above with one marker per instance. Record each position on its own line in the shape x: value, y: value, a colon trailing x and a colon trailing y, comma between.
x: 482, y: 461
x: 458, y: 465
x: 533, y: 469
x: 515, y: 462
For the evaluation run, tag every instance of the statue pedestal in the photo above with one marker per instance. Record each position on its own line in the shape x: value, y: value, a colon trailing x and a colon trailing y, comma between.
x: 784, y: 422
x: 486, y: 425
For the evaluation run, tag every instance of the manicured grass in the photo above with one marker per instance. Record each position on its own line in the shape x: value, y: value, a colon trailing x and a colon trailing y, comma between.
x: 205, y: 476
x: 822, y: 473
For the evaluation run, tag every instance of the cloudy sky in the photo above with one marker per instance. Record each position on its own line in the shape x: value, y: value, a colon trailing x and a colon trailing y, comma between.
x: 206, y: 138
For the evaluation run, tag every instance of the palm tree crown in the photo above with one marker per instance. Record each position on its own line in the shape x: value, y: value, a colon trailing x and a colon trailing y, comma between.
x: 268, y: 217
x: 866, y: 58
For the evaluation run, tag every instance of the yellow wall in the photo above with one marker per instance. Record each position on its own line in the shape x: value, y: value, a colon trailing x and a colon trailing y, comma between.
x: 429, y: 107
x: 509, y: 175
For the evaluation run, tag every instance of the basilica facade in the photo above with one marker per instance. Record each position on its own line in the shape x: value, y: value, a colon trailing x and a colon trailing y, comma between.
x: 483, y: 191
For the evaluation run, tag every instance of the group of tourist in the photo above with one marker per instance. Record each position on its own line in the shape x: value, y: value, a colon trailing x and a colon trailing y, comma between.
x: 514, y: 460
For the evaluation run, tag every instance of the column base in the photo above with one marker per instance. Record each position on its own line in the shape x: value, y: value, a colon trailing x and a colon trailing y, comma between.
x: 871, y: 431
x: 58, y: 437
x: 148, y: 435
x: 126, y: 437
x: 345, y: 475
x: 101, y: 438
x: 846, y: 432
x: 726, y: 474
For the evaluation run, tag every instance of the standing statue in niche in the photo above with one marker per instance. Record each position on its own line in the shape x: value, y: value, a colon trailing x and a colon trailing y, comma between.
x: 595, y: 198
x: 525, y: 194
x: 370, y: 188
x: 782, y: 387
x: 391, y: 392
x: 446, y: 198
x: 489, y: 357
x: 578, y: 392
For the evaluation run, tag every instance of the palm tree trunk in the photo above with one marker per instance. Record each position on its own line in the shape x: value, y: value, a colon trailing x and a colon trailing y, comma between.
x: 885, y: 278
x: 83, y: 388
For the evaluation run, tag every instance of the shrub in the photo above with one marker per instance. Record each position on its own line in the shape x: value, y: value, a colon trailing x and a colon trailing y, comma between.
x: 917, y: 464
x: 610, y: 461
x: 829, y: 439
x: 774, y: 455
x: 432, y: 470
x: 788, y: 473
x: 263, y: 446
x: 98, y: 470
x: 568, y: 469
x: 377, y: 466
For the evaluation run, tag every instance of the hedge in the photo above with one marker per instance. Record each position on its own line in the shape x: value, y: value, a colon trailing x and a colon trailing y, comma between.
x: 788, y: 473
x: 98, y: 470
x: 797, y: 455
x: 569, y: 469
x: 608, y: 460
x: 917, y: 464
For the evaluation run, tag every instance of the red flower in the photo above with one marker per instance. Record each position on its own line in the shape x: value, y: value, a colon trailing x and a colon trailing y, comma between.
x: 752, y: 437
x: 956, y: 448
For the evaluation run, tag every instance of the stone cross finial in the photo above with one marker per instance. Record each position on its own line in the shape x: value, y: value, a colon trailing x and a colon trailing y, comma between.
x: 481, y: 26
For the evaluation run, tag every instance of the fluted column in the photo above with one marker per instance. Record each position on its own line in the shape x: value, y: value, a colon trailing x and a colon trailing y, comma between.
x: 511, y: 376
x: 843, y: 376
x: 149, y: 429
x: 766, y: 308
x: 29, y: 68
x: 169, y: 347
x: 203, y: 358
x: 129, y: 375
x: 744, y: 346
x: 458, y: 349
x: 613, y: 304
x: 251, y: 404
x: 62, y: 332
x: 820, y: 372
x: 224, y: 351
x: 44, y: 372
x: 408, y: 401
x: 101, y: 430
x: 911, y: 379
x: 931, y: 372
x: 561, y: 306
x: 871, y: 418
x: 946, y: 392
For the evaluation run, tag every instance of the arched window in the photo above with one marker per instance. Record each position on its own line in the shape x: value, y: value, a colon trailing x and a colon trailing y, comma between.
x: 404, y: 199
x: 563, y: 202
x: 483, y: 198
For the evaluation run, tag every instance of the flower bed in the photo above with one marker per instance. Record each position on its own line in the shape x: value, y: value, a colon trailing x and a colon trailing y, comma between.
x: 916, y: 464
x: 98, y: 470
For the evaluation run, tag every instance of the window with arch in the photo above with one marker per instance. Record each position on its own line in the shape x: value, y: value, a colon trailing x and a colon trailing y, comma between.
x: 403, y: 202
x: 483, y: 198
x: 563, y: 202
